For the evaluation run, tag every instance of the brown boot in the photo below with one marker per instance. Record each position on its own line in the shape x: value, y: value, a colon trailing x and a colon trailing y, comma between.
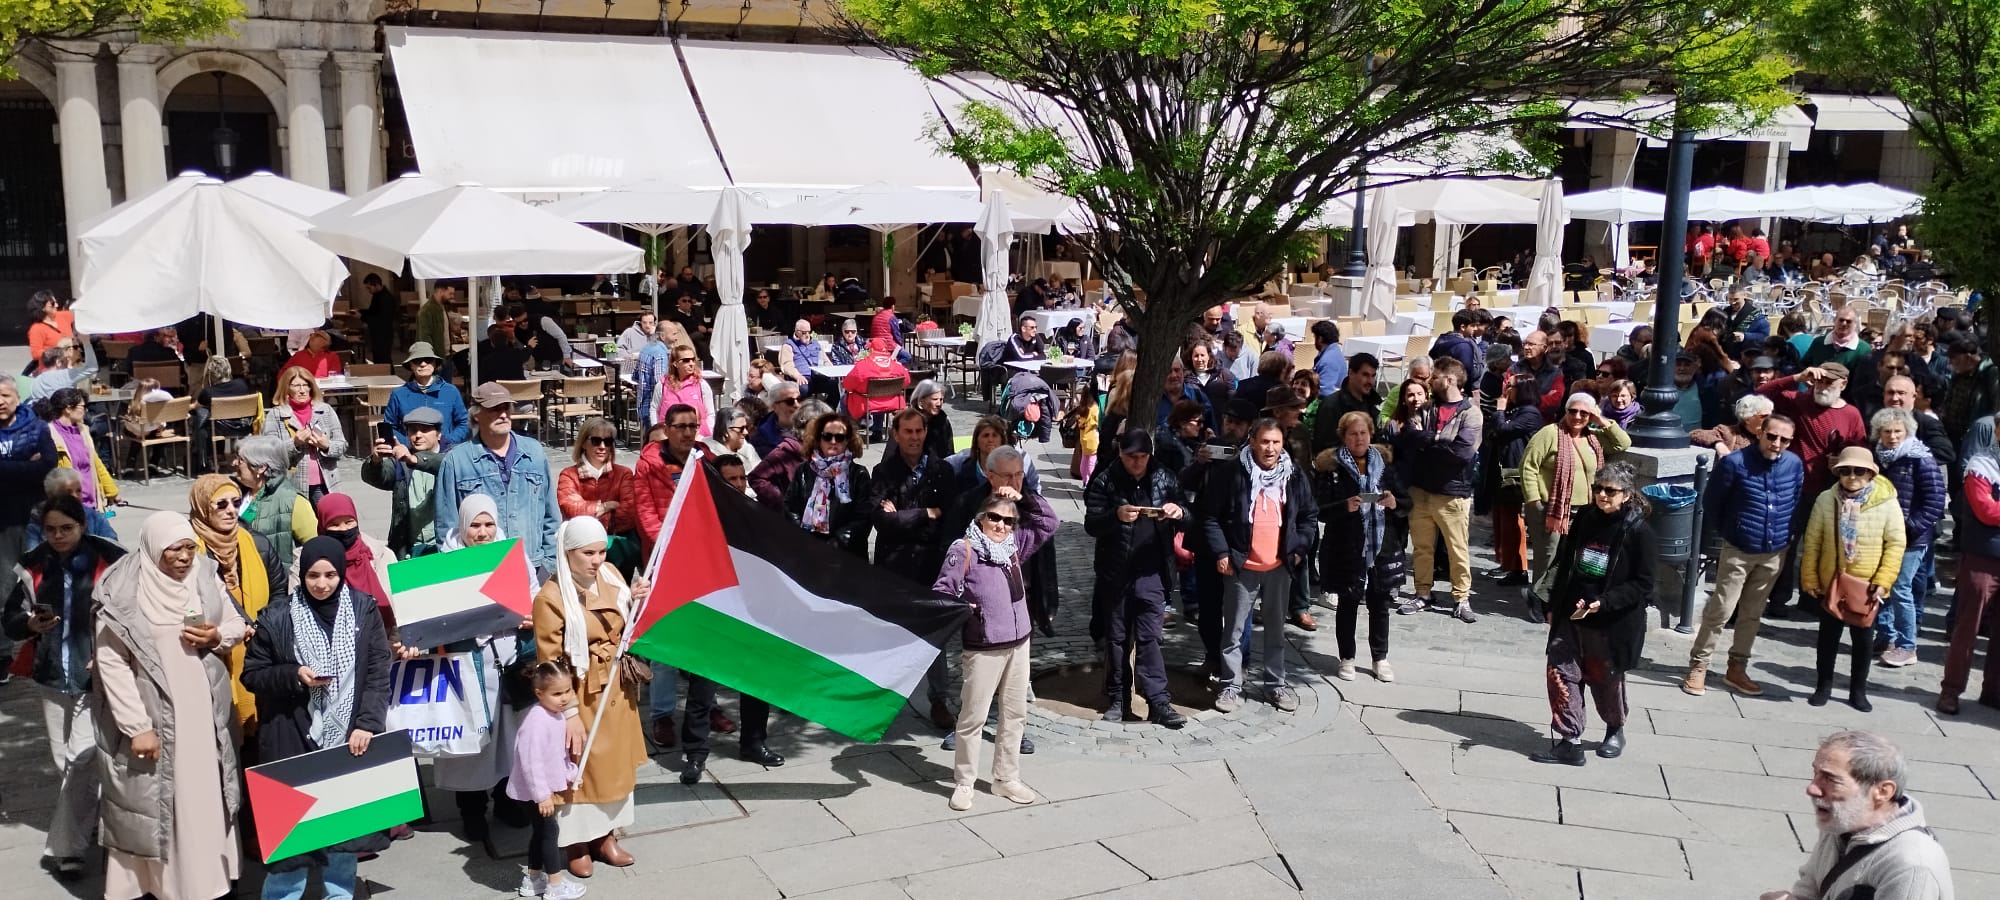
x: 579, y: 860
x: 1738, y: 679
x: 607, y: 851
x: 1696, y: 682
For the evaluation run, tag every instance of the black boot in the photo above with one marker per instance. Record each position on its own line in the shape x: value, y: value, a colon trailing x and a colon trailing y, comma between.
x: 1614, y: 743
x: 472, y: 809
x: 1821, y: 693
x: 1857, y: 681
x: 1561, y: 752
x: 1163, y: 714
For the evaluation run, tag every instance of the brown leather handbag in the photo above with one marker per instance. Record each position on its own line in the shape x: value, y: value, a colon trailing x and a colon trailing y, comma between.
x: 1847, y: 600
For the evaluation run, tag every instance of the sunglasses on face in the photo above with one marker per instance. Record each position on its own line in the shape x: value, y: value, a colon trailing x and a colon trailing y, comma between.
x: 1778, y: 439
x: 228, y: 503
x: 788, y: 401
x: 1605, y: 490
x: 600, y: 441
x: 832, y: 437
x: 685, y: 359
x: 998, y: 519
x: 739, y: 429
x: 1852, y: 472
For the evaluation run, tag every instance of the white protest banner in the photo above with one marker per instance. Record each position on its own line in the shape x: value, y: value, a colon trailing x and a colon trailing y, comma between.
x: 430, y: 698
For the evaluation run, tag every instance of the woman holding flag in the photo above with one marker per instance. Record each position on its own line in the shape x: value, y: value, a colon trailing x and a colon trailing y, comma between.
x: 581, y: 617
x: 471, y: 779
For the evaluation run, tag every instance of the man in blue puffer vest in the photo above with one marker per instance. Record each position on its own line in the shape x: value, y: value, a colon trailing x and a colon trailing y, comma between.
x: 1751, y: 499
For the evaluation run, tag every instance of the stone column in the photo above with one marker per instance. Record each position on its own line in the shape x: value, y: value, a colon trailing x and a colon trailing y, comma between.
x: 360, y: 144
x: 1905, y: 163
x: 1764, y: 171
x: 145, y: 138
x: 86, y: 187
x: 1612, y: 155
x: 305, y: 154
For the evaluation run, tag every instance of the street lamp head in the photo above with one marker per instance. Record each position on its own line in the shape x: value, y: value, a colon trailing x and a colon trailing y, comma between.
x: 223, y: 139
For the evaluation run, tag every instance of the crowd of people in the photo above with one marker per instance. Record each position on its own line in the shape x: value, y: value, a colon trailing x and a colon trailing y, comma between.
x: 1253, y: 489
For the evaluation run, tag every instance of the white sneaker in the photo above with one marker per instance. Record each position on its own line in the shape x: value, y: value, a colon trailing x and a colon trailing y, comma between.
x: 566, y: 889
x: 1346, y: 670
x: 1015, y: 791
x: 961, y: 797
x: 1329, y: 600
x: 1383, y: 672
x: 1226, y: 701
x: 533, y: 884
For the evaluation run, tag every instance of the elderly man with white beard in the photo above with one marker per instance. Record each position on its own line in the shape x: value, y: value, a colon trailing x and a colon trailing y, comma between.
x: 1873, y: 842
x: 1826, y: 424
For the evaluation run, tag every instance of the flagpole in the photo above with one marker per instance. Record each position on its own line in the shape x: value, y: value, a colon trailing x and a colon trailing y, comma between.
x: 625, y: 641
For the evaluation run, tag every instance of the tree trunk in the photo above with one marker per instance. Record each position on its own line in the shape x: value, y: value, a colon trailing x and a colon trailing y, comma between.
x: 1159, y: 333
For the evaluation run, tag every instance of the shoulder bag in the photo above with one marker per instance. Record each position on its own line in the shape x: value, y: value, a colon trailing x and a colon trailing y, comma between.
x: 1847, y: 600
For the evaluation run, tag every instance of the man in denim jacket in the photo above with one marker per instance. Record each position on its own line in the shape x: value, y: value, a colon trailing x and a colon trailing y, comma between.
x: 513, y: 469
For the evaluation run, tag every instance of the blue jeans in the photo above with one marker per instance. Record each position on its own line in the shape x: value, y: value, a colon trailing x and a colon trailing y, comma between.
x: 665, y: 690
x: 337, y: 878
x: 1897, y: 622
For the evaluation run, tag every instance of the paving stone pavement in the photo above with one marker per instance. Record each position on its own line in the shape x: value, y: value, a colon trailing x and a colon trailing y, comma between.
x: 1419, y: 788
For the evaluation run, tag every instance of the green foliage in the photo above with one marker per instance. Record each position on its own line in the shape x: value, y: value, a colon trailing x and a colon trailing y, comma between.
x: 1206, y: 140
x: 1942, y: 59
x: 159, y: 21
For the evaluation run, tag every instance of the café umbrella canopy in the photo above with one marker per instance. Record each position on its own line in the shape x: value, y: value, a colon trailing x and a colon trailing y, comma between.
x: 729, y: 236
x: 996, y: 234
x: 215, y: 251
x: 302, y: 200
x: 1545, y: 279
x: 1378, y: 292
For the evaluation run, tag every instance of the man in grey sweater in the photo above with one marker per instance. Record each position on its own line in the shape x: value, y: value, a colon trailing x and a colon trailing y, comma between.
x: 1873, y: 843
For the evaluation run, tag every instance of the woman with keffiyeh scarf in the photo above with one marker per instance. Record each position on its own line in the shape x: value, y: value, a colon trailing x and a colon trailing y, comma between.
x: 1362, y: 550
x: 829, y: 495
x: 319, y: 668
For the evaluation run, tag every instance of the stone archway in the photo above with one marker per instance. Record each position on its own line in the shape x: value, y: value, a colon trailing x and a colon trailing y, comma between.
x: 186, y: 66
x: 37, y: 76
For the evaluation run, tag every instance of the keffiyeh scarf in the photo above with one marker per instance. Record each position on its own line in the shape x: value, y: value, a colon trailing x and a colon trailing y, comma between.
x: 1269, y: 482
x: 331, y: 705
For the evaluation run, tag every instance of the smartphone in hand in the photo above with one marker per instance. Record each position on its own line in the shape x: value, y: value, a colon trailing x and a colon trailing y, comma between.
x: 385, y: 432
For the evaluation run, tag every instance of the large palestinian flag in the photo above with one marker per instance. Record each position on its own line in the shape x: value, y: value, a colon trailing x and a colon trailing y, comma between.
x: 467, y: 593
x: 320, y: 799
x: 743, y: 597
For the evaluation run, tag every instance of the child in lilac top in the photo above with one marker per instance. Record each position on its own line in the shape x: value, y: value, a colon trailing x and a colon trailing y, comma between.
x: 543, y: 769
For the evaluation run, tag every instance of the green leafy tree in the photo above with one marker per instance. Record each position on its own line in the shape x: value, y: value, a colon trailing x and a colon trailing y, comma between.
x: 1942, y: 59
x: 1206, y: 140
x: 23, y: 22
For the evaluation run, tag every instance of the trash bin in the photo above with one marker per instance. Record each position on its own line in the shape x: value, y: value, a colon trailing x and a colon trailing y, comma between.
x: 1672, y: 519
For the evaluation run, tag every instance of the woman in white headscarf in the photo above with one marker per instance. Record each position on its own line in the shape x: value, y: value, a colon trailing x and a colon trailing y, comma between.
x: 473, y: 778
x: 166, y: 747
x: 580, y: 618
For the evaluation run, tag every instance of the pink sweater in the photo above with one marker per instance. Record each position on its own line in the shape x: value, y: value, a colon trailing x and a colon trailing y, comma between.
x: 542, y: 767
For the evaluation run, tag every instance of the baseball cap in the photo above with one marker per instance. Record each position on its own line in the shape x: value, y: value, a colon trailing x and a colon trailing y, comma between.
x: 490, y: 395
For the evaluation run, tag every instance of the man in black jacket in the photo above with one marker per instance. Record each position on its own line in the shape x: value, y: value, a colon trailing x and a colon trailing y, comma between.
x: 1357, y: 394
x: 1133, y: 510
x: 1441, y: 495
x: 1258, y: 519
x: 906, y: 498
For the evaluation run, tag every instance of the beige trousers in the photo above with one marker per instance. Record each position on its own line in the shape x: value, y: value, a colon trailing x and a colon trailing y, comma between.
x: 1431, y: 515
x: 988, y: 674
x: 1740, y: 578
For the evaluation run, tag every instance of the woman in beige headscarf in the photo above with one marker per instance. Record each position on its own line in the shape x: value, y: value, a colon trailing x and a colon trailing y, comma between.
x: 580, y: 618
x: 167, y: 748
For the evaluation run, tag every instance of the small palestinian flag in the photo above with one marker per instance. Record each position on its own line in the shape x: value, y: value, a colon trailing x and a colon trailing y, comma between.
x: 748, y: 600
x: 319, y: 799
x: 468, y: 593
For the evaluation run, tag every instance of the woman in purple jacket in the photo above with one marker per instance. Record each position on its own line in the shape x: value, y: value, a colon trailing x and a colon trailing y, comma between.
x: 984, y: 569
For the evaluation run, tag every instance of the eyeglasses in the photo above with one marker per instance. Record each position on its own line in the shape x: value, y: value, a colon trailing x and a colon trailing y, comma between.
x: 1605, y: 490
x: 228, y: 503
x: 832, y: 437
x: 788, y: 401
x: 685, y: 359
x: 1580, y: 412
x: 739, y: 429
x: 601, y: 441
x: 1852, y: 472
x: 1779, y: 439
x: 999, y: 519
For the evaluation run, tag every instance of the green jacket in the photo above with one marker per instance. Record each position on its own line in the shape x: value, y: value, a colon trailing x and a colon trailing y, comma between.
x: 412, y: 521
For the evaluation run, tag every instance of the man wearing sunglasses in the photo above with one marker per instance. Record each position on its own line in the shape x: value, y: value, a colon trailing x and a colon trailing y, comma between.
x: 1751, y: 498
x: 771, y: 431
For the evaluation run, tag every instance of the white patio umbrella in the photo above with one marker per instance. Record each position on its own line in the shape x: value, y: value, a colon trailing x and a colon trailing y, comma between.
x: 467, y: 231
x: 728, y: 237
x: 302, y: 200
x: 883, y: 207
x: 1378, y: 292
x: 1720, y: 204
x: 1618, y: 205
x: 1458, y: 201
x: 1545, y: 279
x: 652, y: 207
x: 996, y: 234
x: 1445, y: 248
x: 215, y: 251
x: 1869, y: 202
x: 100, y: 232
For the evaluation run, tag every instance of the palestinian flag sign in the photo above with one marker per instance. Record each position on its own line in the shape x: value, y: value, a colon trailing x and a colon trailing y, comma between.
x: 744, y: 598
x: 468, y: 593
x: 316, y: 800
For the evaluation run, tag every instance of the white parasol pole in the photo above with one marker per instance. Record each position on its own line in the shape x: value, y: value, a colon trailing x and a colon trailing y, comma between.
x: 652, y: 569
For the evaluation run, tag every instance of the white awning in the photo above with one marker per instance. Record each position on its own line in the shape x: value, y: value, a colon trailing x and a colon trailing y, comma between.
x: 817, y: 117
x: 1852, y: 112
x: 550, y: 112
x: 1652, y: 115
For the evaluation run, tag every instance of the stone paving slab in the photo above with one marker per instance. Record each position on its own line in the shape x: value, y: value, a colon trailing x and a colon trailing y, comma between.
x: 1679, y: 819
x: 1246, y: 881
x: 1745, y: 870
x: 1924, y: 777
x: 1540, y: 880
x: 1053, y: 874
x: 729, y: 879
x: 1773, y: 792
x: 1195, y: 847
x: 874, y: 890
x: 1612, y: 776
x: 1513, y: 799
x: 1571, y: 845
x: 872, y: 857
x: 1045, y: 825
